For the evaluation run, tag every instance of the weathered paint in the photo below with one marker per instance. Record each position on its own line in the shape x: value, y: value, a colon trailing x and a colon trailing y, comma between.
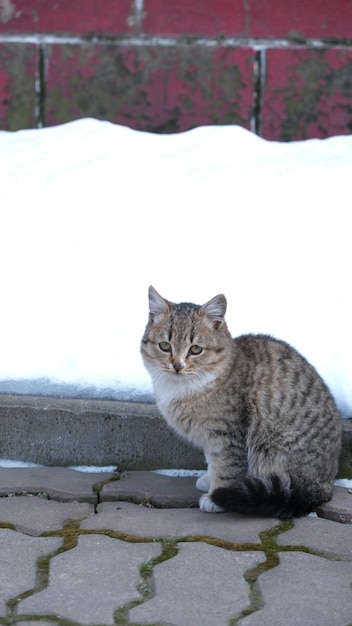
x: 66, y: 16
x: 249, y: 18
x: 308, y: 93
x: 170, y: 66
x: 200, y: 17
x: 298, y: 18
x: 18, y: 66
x: 156, y: 89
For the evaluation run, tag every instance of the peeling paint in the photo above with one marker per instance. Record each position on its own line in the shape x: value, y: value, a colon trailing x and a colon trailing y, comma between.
x: 150, y: 88
x: 308, y: 94
x: 7, y: 11
x: 18, y: 66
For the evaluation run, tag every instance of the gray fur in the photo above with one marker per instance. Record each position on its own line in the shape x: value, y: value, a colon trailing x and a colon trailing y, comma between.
x: 265, y: 419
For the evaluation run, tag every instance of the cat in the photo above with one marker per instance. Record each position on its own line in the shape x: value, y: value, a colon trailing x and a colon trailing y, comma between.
x: 266, y: 421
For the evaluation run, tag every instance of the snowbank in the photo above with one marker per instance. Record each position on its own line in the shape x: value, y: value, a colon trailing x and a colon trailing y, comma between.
x: 92, y: 213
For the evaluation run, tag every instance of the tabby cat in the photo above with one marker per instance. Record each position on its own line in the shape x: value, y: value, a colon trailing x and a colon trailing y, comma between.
x: 267, y: 423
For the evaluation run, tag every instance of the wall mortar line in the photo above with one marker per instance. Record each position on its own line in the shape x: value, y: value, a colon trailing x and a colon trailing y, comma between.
x: 181, y: 42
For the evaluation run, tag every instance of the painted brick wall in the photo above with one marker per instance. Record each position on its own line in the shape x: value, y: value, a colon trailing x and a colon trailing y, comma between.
x: 281, y: 67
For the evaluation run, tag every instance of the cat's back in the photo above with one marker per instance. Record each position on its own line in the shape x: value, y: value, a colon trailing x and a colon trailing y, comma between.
x: 265, y: 357
x: 272, y: 370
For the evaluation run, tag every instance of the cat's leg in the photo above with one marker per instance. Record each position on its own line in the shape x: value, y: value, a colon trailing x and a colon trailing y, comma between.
x: 223, y: 467
x: 203, y: 482
x: 210, y: 480
x: 206, y: 504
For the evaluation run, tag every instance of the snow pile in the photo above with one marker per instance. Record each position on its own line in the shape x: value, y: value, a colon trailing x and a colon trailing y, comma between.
x: 93, y: 213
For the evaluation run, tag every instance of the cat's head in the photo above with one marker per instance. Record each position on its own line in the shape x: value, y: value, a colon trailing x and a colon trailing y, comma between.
x: 186, y: 341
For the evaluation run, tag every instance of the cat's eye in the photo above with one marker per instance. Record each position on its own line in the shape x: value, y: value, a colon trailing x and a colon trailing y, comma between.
x: 165, y: 346
x: 195, y: 349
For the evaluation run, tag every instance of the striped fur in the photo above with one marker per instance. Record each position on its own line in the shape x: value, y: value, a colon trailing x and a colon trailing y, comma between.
x: 267, y: 423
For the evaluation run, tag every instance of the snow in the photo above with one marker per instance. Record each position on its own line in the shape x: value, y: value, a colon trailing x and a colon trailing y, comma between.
x: 175, y: 473
x: 92, y: 213
x: 90, y: 469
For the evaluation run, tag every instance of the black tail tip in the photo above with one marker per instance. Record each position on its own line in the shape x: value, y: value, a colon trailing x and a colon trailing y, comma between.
x: 266, y: 497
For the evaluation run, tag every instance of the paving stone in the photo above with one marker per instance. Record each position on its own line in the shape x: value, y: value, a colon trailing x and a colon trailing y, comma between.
x: 59, y: 483
x: 156, y: 489
x: 194, y: 575
x: 305, y: 589
x: 90, y: 581
x: 339, y: 508
x: 18, y: 556
x: 142, y: 521
x: 319, y: 534
x: 34, y: 515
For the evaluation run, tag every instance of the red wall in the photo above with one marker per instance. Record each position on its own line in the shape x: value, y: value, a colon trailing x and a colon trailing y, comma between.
x: 281, y: 67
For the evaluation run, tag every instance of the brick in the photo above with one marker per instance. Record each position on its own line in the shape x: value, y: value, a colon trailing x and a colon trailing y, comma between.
x: 258, y: 18
x: 65, y: 16
x: 160, y: 89
x: 200, y: 17
x: 307, y: 94
x: 18, y: 66
x: 299, y: 18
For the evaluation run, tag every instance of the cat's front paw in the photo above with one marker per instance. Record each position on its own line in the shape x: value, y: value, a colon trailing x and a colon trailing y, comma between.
x: 206, y: 504
x: 203, y: 482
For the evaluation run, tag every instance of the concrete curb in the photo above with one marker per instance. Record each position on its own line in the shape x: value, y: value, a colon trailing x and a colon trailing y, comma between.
x: 133, y: 435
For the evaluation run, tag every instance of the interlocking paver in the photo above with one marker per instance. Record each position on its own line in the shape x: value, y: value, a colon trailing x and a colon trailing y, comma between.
x: 305, y: 589
x: 18, y: 556
x: 90, y: 581
x: 34, y: 515
x: 339, y: 508
x: 159, y: 490
x: 142, y: 521
x: 202, y: 585
x: 321, y: 535
x: 59, y: 483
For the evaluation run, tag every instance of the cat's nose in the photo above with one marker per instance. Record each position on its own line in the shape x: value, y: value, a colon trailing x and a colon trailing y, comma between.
x: 177, y: 365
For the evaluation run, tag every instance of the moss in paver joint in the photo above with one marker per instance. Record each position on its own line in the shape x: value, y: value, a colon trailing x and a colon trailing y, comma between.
x: 99, y: 486
x: 41, y: 582
x: 169, y: 548
x: 7, y: 525
x: 145, y: 587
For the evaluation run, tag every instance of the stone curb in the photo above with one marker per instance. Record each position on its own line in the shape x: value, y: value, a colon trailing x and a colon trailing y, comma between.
x: 132, y: 435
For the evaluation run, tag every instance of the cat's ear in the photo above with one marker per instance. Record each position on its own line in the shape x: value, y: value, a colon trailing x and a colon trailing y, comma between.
x: 215, y: 309
x: 157, y: 304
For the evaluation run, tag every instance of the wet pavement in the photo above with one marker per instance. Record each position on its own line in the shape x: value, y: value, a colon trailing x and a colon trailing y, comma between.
x: 101, y: 548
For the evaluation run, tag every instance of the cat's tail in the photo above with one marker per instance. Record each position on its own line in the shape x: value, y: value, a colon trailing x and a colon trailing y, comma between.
x: 268, y: 497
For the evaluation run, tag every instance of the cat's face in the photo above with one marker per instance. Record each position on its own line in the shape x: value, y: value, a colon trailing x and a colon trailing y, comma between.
x: 185, y: 341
